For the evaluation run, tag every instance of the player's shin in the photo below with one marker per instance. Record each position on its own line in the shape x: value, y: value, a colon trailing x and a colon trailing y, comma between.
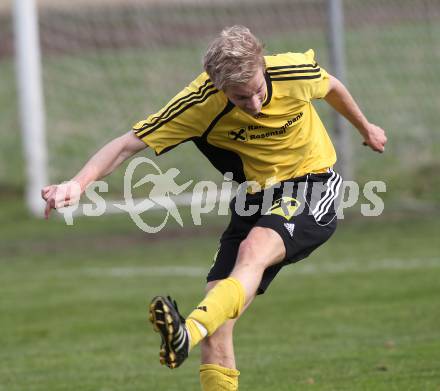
x: 225, y: 301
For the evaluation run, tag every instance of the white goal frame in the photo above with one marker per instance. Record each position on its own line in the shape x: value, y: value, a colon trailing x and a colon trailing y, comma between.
x: 31, y: 102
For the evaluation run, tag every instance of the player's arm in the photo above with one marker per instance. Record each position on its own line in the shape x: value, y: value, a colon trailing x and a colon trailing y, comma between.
x: 101, y: 164
x: 341, y: 100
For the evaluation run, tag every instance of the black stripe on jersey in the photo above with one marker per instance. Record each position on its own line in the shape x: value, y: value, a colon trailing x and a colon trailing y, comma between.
x: 315, y: 65
x: 169, y: 148
x: 171, y: 106
x: 144, y: 131
x: 229, y: 106
x: 178, y: 104
x: 222, y: 159
x: 269, y: 89
x: 193, y: 96
x: 305, y: 77
x: 295, y: 71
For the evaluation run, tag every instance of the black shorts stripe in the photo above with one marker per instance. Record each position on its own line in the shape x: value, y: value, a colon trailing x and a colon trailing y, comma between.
x: 329, y: 199
x: 315, y: 65
x: 305, y: 77
x: 317, y: 70
x: 144, y: 131
x: 178, y: 104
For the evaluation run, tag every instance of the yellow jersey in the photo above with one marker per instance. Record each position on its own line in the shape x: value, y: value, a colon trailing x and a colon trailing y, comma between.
x: 285, y: 140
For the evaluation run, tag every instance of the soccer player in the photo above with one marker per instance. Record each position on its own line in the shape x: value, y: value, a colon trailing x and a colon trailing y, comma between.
x: 251, y: 115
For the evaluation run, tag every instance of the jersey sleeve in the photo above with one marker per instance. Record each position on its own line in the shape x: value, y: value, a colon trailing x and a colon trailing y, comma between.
x: 316, y: 88
x: 184, y: 118
x: 308, y: 80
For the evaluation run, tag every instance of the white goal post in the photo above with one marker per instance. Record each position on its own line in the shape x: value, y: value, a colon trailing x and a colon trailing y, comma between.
x: 31, y: 102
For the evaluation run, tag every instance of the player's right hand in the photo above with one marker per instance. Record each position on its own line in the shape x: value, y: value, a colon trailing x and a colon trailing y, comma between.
x: 375, y: 138
x: 61, y: 195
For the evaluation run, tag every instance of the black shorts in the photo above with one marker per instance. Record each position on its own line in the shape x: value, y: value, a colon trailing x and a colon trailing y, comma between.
x: 302, y: 211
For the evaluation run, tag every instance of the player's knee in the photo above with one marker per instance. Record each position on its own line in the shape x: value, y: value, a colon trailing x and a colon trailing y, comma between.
x: 256, y: 248
x: 247, y: 248
x: 248, y: 253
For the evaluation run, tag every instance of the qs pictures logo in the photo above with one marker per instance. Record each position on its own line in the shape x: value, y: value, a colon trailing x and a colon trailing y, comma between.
x: 163, y: 186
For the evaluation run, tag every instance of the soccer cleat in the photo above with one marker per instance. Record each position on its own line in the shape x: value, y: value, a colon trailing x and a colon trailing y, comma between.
x: 168, y: 322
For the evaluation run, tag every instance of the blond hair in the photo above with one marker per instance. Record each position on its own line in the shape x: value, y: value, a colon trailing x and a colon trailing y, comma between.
x: 233, y: 57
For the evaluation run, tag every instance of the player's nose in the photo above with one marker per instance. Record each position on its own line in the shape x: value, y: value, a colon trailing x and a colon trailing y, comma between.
x: 254, y: 103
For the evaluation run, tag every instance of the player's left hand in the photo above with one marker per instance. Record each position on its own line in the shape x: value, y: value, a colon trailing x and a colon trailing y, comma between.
x: 61, y: 195
x: 375, y: 138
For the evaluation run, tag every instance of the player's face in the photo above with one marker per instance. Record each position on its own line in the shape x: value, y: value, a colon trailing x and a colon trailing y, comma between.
x: 249, y: 97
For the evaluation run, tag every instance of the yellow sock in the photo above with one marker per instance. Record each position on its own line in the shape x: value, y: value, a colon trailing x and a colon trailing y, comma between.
x: 216, y: 378
x: 224, y: 301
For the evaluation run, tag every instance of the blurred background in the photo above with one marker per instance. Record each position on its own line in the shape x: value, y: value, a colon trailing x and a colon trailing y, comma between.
x: 108, y: 64
x: 73, y: 297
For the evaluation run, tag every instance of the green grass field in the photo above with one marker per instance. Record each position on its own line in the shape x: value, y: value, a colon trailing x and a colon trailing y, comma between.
x: 362, y: 313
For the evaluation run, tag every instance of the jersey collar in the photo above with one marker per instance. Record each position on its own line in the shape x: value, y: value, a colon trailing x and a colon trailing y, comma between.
x: 269, y: 89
